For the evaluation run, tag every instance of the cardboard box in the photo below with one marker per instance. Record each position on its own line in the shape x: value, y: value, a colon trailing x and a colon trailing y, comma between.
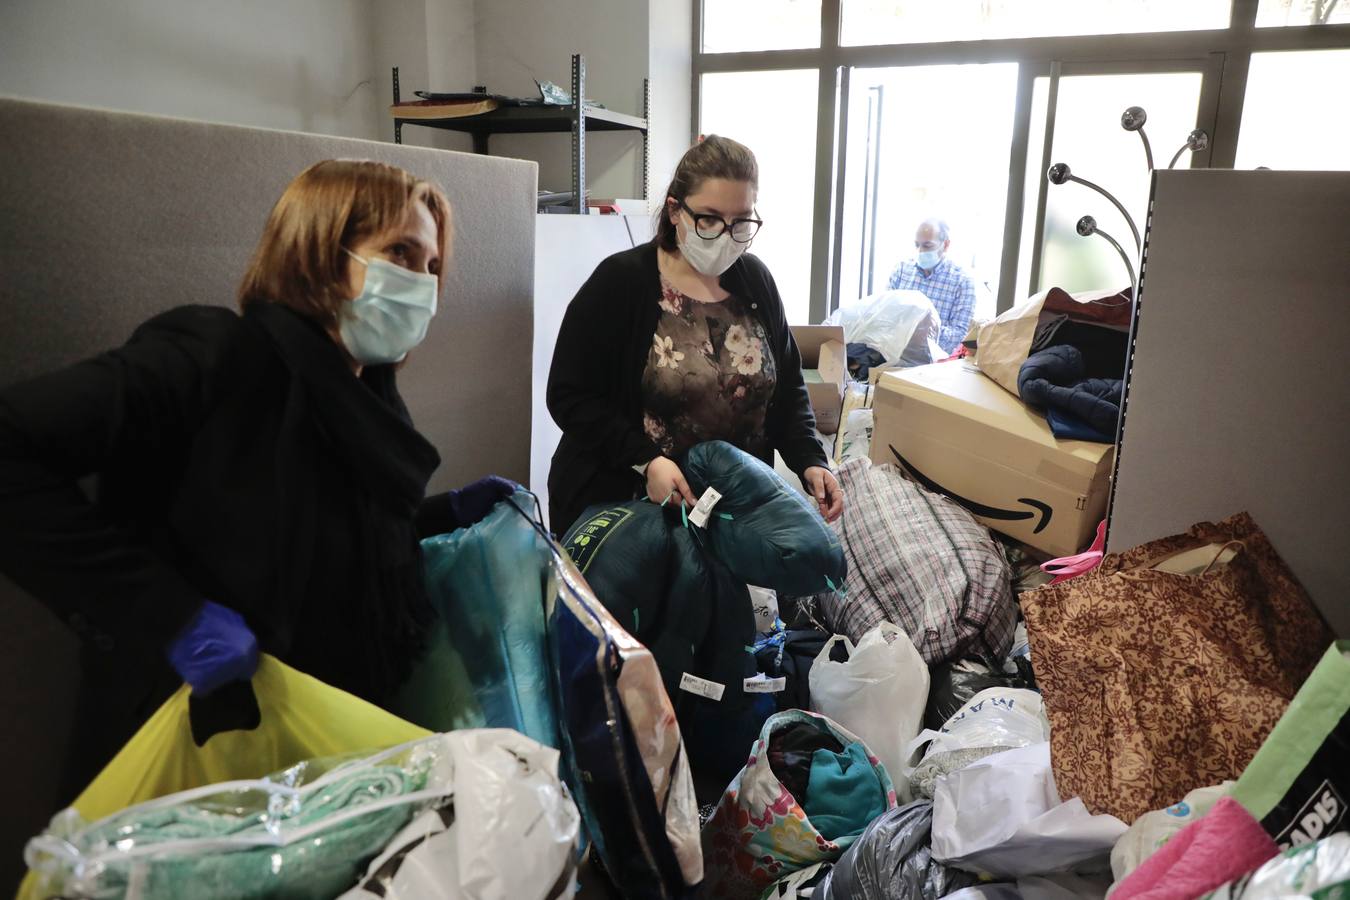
x: 954, y: 430
x: 825, y: 365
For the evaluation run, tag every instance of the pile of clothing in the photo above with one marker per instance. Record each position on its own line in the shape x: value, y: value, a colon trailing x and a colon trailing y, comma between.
x: 1171, y: 724
x: 1233, y: 786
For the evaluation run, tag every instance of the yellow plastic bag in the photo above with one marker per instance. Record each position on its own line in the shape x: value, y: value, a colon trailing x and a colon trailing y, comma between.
x: 301, y: 718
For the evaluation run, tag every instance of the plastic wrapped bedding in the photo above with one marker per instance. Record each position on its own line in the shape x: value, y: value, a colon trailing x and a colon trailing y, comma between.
x: 307, y: 831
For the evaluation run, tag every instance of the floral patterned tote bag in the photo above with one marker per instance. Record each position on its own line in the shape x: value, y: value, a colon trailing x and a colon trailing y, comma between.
x: 1164, y: 669
x: 761, y: 832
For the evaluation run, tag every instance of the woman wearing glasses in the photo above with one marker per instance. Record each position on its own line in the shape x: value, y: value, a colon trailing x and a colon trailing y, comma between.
x: 676, y: 342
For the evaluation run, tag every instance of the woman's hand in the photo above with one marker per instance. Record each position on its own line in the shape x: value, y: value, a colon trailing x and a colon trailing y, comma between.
x: 829, y: 496
x: 665, y: 479
x: 472, y: 503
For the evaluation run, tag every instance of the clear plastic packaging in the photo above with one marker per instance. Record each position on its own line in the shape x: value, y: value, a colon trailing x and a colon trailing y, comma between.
x: 305, y: 831
x: 902, y: 325
x: 994, y: 720
x: 1317, y: 871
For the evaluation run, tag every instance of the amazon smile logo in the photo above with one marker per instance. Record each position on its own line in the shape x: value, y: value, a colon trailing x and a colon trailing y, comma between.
x: 979, y: 509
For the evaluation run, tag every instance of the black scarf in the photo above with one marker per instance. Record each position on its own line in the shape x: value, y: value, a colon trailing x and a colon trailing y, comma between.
x: 363, y: 430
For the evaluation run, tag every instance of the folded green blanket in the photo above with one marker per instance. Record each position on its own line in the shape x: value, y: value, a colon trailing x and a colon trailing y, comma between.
x: 324, y: 865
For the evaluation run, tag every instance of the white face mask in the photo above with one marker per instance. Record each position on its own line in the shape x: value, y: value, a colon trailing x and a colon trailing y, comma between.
x: 391, y: 315
x: 711, y: 257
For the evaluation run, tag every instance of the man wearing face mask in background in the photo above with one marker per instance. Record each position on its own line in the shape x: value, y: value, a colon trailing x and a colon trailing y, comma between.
x: 950, y: 287
x: 676, y: 342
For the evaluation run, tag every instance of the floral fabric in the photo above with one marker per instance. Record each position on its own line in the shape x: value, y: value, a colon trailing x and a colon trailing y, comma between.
x: 1157, y: 683
x: 760, y: 832
x: 710, y: 375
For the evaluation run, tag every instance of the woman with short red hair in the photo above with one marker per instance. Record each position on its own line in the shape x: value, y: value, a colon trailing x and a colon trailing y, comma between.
x: 260, y: 481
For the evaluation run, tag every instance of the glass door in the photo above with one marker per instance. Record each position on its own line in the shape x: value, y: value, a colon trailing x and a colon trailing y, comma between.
x: 924, y: 142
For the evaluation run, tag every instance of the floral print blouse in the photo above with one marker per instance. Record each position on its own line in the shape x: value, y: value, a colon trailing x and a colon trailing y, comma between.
x: 710, y: 375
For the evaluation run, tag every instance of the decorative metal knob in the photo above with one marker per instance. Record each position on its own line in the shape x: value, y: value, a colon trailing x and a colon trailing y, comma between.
x: 1133, y: 118
x: 1058, y: 173
x: 1197, y: 139
x: 1087, y: 226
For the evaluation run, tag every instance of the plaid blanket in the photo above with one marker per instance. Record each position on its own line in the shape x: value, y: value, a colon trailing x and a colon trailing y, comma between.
x: 918, y: 560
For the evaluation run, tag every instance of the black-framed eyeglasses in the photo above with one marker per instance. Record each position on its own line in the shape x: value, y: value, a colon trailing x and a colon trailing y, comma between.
x: 709, y: 226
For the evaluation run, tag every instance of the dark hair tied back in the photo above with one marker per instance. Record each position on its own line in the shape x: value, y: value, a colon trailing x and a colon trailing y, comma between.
x: 712, y: 157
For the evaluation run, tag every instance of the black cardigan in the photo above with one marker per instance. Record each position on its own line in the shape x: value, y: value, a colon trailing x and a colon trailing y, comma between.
x: 204, y: 493
x: 595, y: 383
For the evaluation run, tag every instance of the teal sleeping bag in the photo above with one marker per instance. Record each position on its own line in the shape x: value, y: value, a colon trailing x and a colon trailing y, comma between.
x: 765, y: 532
x: 486, y: 664
x: 654, y: 574
x: 646, y: 569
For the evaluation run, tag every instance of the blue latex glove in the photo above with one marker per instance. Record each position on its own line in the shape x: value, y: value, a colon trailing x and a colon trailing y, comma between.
x: 215, y: 648
x: 470, y: 504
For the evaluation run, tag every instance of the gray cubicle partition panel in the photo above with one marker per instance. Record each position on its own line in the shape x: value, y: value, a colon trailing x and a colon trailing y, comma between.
x: 107, y: 218
x: 1238, y: 394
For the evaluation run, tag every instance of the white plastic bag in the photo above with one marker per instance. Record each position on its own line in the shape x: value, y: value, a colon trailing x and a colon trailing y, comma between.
x: 879, y: 694
x: 510, y: 832
x: 994, y: 720
x: 764, y: 601
x: 1151, y: 830
x: 902, y: 325
x: 856, y: 442
x: 1002, y: 817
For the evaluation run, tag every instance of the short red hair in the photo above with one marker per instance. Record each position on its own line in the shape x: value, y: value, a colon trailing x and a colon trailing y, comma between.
x: 299, y: 262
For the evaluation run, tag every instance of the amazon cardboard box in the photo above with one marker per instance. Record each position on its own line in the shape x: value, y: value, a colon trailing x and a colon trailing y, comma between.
x: 825, y: 367
x: 955, y: 431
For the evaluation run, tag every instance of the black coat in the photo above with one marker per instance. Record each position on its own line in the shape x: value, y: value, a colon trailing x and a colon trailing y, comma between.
x: 239, y: 462
x: 595, y: 383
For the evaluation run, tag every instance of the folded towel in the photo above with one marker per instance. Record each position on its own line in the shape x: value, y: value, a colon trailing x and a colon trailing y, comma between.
x: 1226, y: 844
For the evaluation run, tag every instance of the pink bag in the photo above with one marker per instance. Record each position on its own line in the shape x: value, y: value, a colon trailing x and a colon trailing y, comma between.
x: 1067, y: 567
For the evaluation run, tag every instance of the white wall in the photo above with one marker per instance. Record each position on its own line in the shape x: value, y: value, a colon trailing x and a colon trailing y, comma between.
x: 518, y: 41
x: 670, y: 60
x: 304, y: 65
x: 432, y: 43
x: 324, y: 66
x: 566, y: 250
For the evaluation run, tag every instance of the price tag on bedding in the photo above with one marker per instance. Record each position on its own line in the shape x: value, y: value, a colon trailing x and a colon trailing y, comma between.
x: 702, y: 687
x: 704, y: 508
x: 763, y: 684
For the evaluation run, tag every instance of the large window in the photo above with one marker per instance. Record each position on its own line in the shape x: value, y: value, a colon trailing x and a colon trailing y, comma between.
x: 1088, y: 137
x: 749, y: 106
x: 914, y: 21
x: 1294, y: 114
x: 956, y: 108
x: 1276, y: 13
x: 760, y: 25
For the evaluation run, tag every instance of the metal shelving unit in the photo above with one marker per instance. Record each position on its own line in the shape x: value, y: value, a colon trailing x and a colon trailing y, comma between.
x: 578, y: 118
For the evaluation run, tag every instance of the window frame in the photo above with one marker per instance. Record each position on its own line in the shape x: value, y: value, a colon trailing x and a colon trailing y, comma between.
x: 1226, y: 52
